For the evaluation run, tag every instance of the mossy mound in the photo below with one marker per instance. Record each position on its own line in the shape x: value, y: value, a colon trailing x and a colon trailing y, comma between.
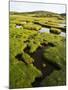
x: 55, y: 30
x: 27, y: 59
x: 31, y: 26
x: 55, y: 56
x: 21, y: 76
x: 56, y: 78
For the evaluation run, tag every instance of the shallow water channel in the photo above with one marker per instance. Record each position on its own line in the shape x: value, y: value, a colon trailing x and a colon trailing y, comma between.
x: 45, y: 67
x: 48, y: 31
x: 44, y: 30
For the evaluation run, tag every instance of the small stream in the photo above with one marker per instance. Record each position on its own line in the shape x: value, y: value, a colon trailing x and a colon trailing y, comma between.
x: 45, y: 67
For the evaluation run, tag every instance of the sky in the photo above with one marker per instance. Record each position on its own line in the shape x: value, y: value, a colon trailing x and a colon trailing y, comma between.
x: 28, y: 7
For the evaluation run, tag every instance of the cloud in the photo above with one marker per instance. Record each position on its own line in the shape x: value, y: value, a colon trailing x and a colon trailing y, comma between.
x: 26, y: 7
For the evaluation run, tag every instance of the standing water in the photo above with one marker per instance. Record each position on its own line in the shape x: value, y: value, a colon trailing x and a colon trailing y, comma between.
x: 63, y: 34
x: 44, y: 30
x: 48, y: 31
x: 18, y: 26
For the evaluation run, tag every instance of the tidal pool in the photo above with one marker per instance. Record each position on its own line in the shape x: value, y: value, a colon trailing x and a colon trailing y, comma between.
x: 39, y: 62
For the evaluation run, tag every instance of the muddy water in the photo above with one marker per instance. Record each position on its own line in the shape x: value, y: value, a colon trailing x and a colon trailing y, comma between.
x: 39, y: 62
x: 43, y: 66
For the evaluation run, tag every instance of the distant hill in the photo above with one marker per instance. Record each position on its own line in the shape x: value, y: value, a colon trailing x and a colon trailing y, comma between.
x: 63, y: 14
x: 33, y: 12
x: 40, y: 14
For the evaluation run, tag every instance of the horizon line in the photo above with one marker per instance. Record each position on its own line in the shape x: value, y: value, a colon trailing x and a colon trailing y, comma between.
x: 35, y: 11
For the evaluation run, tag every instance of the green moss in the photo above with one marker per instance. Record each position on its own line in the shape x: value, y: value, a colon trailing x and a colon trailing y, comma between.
x: 22, y: 72
x: 56, y: 78
x: 55, y: 55
x: 21, y: 76
x: 52, y: 38
x: 33, y: 45
x: 31, y: 26
x: 27, y: 58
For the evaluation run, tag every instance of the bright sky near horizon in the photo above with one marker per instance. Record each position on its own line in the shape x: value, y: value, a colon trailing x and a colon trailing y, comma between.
x: 29, y: 6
